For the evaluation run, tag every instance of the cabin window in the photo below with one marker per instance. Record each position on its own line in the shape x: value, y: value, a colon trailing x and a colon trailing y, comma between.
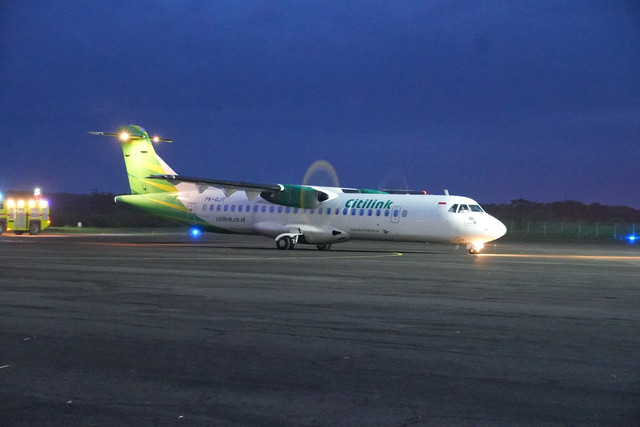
x: 329, y: 211
x: 386, y: 212
x: 361, y: 212
x: 279, y: 209
x: 255, y: 208
x: 353, y: 211
x: 287, y: 210
x: 370, y: 212
x: 295, y: 210
x: 211, y: 207
x: 240, y: 208
x: 233, y: 208
x: 378, y: 212
x: 404, y: 214
x: 264, y: 209
x: 271, y: 209
x: 226, y: 208
x: 311, y: 211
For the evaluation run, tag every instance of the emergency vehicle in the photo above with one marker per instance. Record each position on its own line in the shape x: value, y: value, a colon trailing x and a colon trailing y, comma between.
x: 24, y: 215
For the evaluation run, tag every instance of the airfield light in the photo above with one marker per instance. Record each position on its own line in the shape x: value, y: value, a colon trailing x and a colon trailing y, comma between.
x: 11, y: 203
x: 1, y: 196
x: 43, y: 203
x: 632, y: 238
x: 124, y: 136
x: 32, y: 204
x: 195, y: 232
x: 37, y: 193
x: 21, y: 203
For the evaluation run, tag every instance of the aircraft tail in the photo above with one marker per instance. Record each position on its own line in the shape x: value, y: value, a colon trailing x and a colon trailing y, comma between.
x: 141, y: 160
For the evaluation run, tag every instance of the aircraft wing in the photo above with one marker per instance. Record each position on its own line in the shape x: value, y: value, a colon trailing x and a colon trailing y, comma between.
x: 300, y: 196
x: 229, y: 187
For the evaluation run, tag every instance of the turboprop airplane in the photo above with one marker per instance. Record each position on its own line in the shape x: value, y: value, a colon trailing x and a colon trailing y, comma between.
x: 298, y: 214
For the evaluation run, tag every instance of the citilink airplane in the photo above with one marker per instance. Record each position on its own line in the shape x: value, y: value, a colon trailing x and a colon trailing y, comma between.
x: 293, y: 214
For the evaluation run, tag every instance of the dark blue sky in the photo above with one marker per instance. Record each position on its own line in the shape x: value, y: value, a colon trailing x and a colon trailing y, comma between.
x: 495, y: 100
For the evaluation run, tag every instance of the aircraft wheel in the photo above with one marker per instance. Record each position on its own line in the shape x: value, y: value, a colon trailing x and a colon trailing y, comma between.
x: 292, y: 245
x: 473, y: 251
x: 19, y: 233
x: 34, y: 228
x: 284, y: 243
x: 324, y: 247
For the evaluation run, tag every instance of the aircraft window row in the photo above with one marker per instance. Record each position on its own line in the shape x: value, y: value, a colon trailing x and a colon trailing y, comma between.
x: 286, y: 209
x: 465, y: 208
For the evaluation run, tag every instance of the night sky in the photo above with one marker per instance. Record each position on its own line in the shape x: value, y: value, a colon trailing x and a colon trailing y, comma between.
x: 495, y: 100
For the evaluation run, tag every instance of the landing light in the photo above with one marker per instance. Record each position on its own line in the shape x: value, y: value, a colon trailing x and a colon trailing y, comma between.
x: 156, y: 139
x: 124, y: 136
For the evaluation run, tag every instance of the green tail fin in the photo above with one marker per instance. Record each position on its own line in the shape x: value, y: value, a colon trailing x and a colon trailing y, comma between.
x: 141, y: 161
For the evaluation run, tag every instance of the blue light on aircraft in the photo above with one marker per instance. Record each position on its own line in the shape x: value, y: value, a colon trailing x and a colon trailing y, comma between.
x: 195, y: 232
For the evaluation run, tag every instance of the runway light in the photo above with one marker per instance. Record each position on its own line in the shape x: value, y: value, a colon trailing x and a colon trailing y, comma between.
x: 195, y: 232
x: 632, y: 238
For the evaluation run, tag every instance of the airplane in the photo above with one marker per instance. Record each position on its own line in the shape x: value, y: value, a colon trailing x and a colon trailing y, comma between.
x: 297, y: 214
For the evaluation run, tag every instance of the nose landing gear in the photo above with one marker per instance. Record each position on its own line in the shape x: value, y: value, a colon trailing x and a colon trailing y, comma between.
x: 474, y: 248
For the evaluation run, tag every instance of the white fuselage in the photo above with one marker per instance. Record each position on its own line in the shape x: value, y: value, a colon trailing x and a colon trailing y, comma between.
x: 347, y: 216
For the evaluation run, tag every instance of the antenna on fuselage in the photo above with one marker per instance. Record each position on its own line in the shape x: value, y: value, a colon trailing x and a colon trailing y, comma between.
x: 446, y: 192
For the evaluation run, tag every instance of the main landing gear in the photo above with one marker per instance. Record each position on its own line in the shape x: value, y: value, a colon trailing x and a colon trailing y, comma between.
x: 287, y: 241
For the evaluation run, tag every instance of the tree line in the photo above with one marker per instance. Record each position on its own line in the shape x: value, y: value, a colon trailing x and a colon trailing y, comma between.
x: 521, y: 210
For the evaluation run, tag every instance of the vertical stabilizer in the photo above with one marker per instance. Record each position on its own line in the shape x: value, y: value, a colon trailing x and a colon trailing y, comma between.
x: 141, y: 160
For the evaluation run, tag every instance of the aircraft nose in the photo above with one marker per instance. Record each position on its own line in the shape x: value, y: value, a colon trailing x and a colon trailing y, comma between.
x: 497, y: 229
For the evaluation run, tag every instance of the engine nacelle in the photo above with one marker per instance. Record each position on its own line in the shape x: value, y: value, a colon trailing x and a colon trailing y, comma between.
x: 297, y: 196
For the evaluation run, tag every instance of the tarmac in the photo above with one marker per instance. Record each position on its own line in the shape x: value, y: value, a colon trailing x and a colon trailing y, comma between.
x: 161, y: 329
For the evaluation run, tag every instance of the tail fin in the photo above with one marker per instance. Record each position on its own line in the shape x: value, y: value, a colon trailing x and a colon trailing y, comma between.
x: 141, y: 160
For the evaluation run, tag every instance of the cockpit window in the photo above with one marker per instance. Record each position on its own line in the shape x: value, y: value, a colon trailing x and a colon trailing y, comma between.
x: 465, y: 208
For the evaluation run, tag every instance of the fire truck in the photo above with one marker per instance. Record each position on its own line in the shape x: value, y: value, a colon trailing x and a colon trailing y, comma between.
x: 24, y: 215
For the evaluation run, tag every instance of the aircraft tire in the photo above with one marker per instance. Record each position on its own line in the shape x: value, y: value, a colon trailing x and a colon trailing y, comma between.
x: 284, y: 243
x: 324, y: 247
x: 19, y: 233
